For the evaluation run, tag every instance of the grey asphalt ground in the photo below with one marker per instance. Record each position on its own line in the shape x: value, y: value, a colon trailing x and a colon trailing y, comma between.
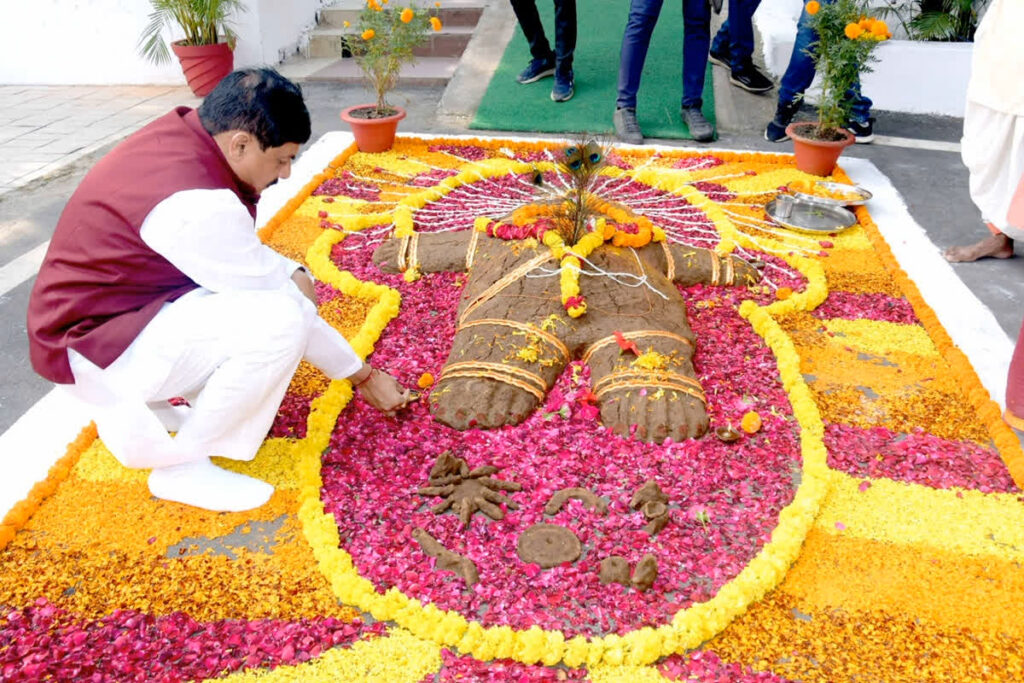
x: 932, y: 181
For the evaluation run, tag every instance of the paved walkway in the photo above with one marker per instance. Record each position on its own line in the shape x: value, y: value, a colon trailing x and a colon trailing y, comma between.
x: 43, y: 128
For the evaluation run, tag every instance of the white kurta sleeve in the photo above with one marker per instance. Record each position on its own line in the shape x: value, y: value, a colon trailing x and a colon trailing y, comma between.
x: 209, y: 236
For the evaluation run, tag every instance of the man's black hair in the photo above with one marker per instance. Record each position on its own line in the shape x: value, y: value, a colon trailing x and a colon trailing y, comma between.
x: 261, y: 102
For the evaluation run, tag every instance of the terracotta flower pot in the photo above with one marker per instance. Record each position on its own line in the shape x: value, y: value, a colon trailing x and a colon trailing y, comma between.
x: 817, y: 157
x: 204, y: 65
x: 373, y: 135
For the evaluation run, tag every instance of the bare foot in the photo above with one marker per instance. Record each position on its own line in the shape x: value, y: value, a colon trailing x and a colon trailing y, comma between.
x: 993, y: 246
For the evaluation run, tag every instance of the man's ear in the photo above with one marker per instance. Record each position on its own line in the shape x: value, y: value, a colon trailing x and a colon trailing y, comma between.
x: 238, y: 143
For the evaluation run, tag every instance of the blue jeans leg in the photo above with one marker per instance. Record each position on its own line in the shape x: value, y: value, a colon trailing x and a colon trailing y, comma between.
x: 565, y: 34
x: 643, y: 15
x: 800, y: 72
x: 696, y: 41
x: 722, y: 43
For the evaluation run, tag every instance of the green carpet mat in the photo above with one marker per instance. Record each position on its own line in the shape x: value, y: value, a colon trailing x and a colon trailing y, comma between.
x: 507, y: 105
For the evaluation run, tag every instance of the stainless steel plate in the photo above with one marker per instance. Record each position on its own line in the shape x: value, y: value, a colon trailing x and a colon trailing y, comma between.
x: 816, y: 218
x: 862, y: 194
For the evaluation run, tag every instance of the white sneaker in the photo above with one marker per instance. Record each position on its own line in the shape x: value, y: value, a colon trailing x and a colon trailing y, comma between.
x: 204, y: 485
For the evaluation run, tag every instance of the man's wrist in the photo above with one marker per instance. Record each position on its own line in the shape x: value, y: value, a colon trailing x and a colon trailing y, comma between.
x: 362, y: 375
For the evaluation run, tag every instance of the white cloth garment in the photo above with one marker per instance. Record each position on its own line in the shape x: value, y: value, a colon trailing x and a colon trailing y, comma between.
x: 229, y: 347
x: 997, y: 60
x: 992, y: 149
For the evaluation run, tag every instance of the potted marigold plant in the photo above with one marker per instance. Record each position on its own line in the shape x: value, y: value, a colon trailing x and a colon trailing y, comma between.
x: 388, y: 36
x: 847, y: 38
x: 206, y: 52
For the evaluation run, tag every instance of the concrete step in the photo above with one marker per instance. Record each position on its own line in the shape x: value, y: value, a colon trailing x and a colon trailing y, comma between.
x: 450, y: 41
x: 451, y: 12
x: 428, y: 71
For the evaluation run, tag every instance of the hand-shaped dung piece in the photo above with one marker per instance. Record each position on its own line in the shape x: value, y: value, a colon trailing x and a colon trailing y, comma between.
x: 465, y: 490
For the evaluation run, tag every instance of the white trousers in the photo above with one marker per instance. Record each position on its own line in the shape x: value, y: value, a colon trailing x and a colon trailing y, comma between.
x: 230, y: 354
x: 993, y: 151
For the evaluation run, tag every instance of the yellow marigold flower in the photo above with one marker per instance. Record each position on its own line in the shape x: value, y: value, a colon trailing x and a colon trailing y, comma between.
x: 347, y: 24
x: 751, y: 422
x: 425, y: 380
x: 369, y: 34
x: 812, y: 7
x: 854, y: 31
x: 435, y: 23
x: 406, y: 15
x: 651, y: 360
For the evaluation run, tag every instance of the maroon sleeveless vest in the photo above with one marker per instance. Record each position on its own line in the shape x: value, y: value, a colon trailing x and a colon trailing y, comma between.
x: 100, y: 284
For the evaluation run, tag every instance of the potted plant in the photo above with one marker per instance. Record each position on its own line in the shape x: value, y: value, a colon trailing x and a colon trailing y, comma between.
x: 206, y: 52
x: 847, y: 37
x: 388, y: 37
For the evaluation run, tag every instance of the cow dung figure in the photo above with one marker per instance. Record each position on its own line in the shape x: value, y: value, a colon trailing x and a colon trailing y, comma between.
x: 514, y: 336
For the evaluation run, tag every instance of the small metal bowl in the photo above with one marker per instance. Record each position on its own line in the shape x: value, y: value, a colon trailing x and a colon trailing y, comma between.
x: 862, y: 195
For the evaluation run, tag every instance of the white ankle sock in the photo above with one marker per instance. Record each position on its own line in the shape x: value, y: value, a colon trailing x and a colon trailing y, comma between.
x: 204, y: 485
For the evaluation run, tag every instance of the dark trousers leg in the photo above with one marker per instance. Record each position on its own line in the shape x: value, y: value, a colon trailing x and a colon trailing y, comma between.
x: 643, y: 15
x: 696, y: 41
x: 529, y: 22
x: 565, y: 34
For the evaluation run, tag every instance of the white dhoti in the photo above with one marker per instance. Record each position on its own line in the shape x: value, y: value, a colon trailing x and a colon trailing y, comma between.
x: 993, y: 151
x: 230, y: 354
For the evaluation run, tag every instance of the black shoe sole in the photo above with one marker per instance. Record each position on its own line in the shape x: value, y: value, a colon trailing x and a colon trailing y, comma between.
x: 750, y: 89
x: 542, y: 74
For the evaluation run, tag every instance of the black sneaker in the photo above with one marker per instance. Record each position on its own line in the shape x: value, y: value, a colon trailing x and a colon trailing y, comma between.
x: 863, y: 132
x: 626, y: 127
x: 700, y: 128
x: 720, y: 57
x: 562, y: 91
x: 536, y: 70
x: 748, y: 77
x: 775, y: 131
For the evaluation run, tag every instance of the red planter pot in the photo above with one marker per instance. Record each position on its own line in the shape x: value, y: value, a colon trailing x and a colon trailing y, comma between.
x: 373, y: 135
x: 204, y: 65
x: 817, y: 157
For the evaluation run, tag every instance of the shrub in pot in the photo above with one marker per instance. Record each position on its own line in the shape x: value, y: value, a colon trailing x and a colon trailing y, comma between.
x: 387, y: 38
x: 847, y: 38
x: 206, y: 51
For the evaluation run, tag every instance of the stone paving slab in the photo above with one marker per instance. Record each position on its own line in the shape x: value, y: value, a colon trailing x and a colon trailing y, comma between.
x: 45, y: 128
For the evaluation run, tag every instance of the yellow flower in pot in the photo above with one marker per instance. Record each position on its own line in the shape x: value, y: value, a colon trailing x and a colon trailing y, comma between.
x: 386, y: 38
x: 847, y: 38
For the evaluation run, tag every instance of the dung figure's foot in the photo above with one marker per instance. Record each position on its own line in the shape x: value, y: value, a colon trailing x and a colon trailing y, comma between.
x: 658, y: 414
x: 466, y: 402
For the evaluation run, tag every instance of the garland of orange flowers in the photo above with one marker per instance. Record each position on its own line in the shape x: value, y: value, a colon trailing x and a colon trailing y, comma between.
x: 18, y: 516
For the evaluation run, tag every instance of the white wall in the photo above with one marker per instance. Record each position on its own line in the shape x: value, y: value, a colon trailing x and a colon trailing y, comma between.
x: 94, y: 41
x: 910, y: 76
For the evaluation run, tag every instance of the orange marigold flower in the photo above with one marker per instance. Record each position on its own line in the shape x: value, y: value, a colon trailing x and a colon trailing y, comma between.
x: 368, y: 34
x: 406, y: 15
x: 879, y: 28
x: 853, y: 31
x: 783, y: 293
x: 437, y: 4
x: 425, y: 380
x: 373, y: 4
x: 435, y: 23
x: 812, y: 7
x: 751, y: 422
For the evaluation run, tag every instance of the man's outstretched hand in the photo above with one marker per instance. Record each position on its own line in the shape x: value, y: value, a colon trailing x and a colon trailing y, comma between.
x: 382, y: 391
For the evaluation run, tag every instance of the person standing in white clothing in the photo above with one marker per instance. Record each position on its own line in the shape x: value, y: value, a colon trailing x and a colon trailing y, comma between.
x: 993, y: 141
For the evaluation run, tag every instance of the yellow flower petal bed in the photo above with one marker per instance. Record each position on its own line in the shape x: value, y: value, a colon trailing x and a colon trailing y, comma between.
x: 860, y: 576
